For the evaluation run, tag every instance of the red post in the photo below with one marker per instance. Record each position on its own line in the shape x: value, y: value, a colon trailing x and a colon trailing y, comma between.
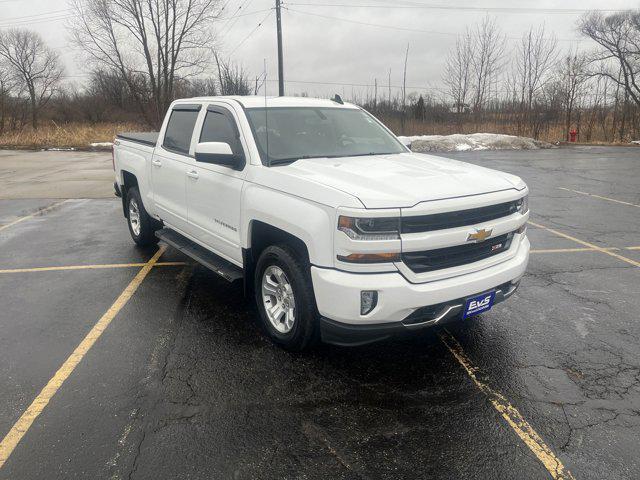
x: 573, y: 135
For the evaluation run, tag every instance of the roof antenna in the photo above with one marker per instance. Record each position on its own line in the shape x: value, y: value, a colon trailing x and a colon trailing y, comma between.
x: 266, y: 115
x: 338, y: 99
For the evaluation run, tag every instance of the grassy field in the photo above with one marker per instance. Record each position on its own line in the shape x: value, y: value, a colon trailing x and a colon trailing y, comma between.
x: 76, y: 135
x: 81, y: 135
x: 591, y: 133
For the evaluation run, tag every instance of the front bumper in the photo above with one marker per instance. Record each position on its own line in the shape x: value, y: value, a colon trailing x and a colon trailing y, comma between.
x: 346, y: 334
x: 400, y: 302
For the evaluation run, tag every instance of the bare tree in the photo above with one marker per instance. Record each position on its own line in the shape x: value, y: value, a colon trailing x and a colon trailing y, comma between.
x: 618, y: 58
x: 535, y: 57
x: 6, y: 87
x: 533, y: 61
x: 149, y: 43
x: 572, y: 75
x: 487, y: 60
x: 457, y: 74
x: 232, y: 78
x: 33, y: 65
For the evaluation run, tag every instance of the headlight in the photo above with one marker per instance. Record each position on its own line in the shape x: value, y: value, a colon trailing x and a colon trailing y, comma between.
x: 382, y: 228
x: 523, y: 205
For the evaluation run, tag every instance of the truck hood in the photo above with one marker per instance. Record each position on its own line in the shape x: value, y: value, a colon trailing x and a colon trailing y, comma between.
x: 402, y: 180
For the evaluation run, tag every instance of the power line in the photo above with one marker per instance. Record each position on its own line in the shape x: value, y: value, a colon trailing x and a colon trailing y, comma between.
x: 251, y: 32
x: 229, y: 26
x: 434, y: 90
x: 404, y: 29
x: 37, y: 20
x: 413, y: 5
x: 422, y: 4
x: 245, y: 14
x: 51, y: 12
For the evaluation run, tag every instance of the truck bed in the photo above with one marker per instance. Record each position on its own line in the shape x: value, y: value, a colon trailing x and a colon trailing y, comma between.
x: 145, y: 138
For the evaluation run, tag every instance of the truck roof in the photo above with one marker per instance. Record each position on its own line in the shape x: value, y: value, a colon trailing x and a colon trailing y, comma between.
x: 257, y: 101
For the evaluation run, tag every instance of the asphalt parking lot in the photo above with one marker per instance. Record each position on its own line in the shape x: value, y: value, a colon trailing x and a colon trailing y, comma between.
x: 117, y: 362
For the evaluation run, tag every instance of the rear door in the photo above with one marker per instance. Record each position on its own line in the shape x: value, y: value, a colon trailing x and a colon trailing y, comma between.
x: 214, y: 191
x: 170, y: 163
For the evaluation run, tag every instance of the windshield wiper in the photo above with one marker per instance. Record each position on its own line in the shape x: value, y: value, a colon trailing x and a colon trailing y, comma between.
x: 279, y: 161
x: 370, y: 153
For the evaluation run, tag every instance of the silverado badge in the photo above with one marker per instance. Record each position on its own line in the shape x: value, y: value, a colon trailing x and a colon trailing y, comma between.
x: 479, y: 235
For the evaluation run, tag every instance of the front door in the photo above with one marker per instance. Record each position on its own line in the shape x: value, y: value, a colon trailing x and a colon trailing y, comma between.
x: 214, y: 191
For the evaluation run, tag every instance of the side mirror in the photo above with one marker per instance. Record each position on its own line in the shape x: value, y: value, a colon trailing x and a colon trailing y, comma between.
x: 406, y: 141
x: 218, y: 153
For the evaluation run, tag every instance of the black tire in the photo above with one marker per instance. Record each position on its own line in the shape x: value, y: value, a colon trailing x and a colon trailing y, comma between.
x: 303, y: 332
x: 147, y: 225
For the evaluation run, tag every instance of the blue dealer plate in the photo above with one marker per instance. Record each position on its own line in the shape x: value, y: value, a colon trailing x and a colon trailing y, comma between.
x: 478, y: 304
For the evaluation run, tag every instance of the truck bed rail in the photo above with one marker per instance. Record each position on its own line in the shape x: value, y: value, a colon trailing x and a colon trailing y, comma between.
x: 145, y: 138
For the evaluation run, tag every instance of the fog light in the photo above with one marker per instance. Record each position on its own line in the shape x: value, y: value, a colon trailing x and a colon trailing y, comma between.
x: 368, y: 301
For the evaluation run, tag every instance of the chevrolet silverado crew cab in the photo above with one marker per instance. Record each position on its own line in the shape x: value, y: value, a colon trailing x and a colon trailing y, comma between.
x: 337, y: 229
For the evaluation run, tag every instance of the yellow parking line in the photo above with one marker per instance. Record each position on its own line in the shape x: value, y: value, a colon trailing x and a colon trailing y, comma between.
x: 23, y: 424
x: 87, y: 267
x: 587, y: 244
x: 513, y: 417
x: 566, y: 250
x: 571, y: 250
x: 600, y: 197
x: 34, y: 214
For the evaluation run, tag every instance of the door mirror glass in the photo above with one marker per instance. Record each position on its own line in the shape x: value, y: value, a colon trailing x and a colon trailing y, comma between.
x: 219, y: 153
x: 406, y: 141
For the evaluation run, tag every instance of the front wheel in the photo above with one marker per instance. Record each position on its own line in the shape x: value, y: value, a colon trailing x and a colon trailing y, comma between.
x: 284, y: 297
x: 142, y: 226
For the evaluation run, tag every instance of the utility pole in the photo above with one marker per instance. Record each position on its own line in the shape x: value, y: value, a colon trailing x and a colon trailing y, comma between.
x: 375, y: 94
x: 280, y: 65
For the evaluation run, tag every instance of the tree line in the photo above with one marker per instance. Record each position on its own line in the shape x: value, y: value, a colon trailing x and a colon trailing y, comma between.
x: 536, y: 89
x: 141, y: 55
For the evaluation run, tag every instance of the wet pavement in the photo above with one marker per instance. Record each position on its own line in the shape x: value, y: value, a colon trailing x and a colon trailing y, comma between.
x: 182, y: 384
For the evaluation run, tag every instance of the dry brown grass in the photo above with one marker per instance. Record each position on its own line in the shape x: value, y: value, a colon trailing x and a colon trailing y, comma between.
x: 76, y: 135
x: 552, y: 133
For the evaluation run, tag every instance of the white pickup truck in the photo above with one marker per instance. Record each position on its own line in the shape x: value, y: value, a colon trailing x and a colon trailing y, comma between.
x: 339, y: 231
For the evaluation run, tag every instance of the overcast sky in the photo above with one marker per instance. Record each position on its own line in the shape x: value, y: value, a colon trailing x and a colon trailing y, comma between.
x: 340, y: 50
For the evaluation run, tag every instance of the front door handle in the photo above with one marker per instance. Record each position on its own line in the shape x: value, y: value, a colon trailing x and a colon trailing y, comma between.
x: 156, y: 163
x: 193, y: 174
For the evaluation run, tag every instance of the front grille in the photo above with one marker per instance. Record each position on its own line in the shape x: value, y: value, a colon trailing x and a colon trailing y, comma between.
x: 461, y: 218
x: 429, y: 260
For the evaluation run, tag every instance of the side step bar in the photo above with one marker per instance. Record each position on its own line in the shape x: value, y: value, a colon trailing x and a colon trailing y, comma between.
x: 213, y: 262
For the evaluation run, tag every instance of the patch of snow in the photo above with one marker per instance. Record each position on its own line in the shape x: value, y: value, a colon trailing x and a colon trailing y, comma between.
x: 56, y: 149
x: 101, y: 144
x: 472, y: 142
x: 636, y: 142
x: 461, y: 147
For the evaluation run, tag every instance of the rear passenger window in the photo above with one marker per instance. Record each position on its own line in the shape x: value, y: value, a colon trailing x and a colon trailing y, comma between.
x: 218, y: 127
x: 180, y: 129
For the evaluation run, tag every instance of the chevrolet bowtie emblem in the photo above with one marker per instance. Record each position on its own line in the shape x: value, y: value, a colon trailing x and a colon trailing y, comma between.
x: 479, y: 235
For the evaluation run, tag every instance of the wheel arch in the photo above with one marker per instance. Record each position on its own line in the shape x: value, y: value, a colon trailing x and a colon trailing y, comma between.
x: 261, y: 235
x: 128, y: 180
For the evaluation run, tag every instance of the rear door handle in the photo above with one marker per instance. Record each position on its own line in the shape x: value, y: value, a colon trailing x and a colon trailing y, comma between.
x: 193, y: 174
x: 157, y: 163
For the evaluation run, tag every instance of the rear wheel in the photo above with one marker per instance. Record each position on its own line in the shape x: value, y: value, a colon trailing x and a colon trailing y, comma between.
x: 284, y: 297
x: 142, y: 227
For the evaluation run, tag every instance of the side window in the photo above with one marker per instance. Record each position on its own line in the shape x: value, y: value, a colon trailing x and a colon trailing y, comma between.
x: 218, y: 127
x: 180, y: 129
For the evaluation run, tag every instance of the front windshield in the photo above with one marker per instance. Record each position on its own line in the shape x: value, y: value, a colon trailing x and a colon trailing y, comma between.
x: 287, y: 134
